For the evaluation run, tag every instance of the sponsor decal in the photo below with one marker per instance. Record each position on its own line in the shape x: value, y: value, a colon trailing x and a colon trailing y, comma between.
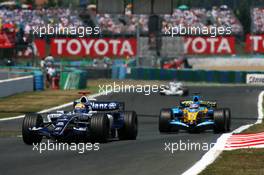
x: 108, y: 105
x: 209, y: 45
x: 255, y: 43
x: 112, y: 105
x: 123, y: 47
x: 99, y: 105
x: 93, y: 47
x: 255, y: 79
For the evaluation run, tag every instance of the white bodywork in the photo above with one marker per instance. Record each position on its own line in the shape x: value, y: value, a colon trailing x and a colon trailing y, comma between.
x: 174, y: 88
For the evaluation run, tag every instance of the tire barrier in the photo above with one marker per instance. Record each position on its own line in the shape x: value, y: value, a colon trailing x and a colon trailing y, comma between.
x: 38, y: 81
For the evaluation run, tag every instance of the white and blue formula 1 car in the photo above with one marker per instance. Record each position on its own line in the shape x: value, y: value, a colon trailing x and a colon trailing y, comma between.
x: 174, y: 88
x: 89, y: 121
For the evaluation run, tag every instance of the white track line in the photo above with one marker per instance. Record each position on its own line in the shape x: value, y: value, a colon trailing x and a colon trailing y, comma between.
x: 214, y: 152
x: 18, y: 78
x: 55, y: 108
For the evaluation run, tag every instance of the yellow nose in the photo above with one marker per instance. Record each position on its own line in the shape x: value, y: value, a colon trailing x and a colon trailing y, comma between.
x: 192, y: 116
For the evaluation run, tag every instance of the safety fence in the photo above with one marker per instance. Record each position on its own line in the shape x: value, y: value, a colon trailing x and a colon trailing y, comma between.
x: 70, y: 78
x: 209, y: 76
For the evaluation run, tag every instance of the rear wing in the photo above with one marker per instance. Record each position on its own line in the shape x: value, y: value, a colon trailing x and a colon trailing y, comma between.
x: 211, y: 104
x: 185, y: 104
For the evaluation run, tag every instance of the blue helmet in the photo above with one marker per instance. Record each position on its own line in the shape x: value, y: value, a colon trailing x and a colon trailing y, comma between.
x: 196, y: 99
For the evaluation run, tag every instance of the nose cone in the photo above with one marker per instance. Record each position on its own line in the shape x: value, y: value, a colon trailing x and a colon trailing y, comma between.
x: 192, y: 116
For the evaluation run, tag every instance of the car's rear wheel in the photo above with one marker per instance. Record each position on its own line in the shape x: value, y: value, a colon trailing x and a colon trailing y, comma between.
x: 228, y: 118
x: 30, y: 121
x: 220, y: 121
x: 99, y: 128
x: 164, y: 120
x: 130, y: 128
x: 185, y: 92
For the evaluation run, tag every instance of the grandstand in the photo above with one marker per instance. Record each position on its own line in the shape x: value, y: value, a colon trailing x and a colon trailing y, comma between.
x: 120, y: 24
x: 257, y: 20
x: 127, y: 25
x: 39, y: 17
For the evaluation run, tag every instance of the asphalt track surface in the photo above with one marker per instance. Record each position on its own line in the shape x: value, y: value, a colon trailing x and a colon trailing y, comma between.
x: 144, y: 156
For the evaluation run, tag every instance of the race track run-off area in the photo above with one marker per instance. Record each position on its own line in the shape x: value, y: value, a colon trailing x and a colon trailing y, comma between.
x: 144, y: 156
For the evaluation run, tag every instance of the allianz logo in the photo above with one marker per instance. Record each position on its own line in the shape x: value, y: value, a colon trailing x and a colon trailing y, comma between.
x: 103, y: 105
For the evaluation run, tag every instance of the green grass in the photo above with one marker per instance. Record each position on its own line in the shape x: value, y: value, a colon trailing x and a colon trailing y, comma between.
x: 238, y: 162
x: 36, y: 101
x: 6, y: 133
x: 241, y: 161
x: 254, y: 129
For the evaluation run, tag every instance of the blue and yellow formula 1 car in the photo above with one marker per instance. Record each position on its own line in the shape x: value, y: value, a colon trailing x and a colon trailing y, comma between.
x: 94, y: 121
x: 195, y: 115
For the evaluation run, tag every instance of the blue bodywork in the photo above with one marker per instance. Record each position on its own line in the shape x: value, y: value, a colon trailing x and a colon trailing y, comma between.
x: 202, y: 123
x: 64, y: 125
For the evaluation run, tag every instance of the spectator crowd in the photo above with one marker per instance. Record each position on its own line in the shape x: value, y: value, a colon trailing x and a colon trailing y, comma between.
x: 196, y: 17
x: 119, y: 24
x: 26, y: 18
x: 257, y: 20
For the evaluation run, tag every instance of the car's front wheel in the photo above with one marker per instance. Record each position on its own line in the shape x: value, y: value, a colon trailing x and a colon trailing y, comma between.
x: 99, y: 128
x: 30, y: 121
x: 228, y: 118
x: 185, y: 92
x: 220, y: 121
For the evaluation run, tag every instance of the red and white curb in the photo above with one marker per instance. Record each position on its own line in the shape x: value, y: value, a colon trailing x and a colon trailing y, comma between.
x: 239, y: 141
x: 225, y: 140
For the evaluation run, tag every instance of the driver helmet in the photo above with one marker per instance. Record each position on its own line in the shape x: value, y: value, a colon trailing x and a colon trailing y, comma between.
x: 79, y: 108
x: 196, y: 99
x: 194, y: 106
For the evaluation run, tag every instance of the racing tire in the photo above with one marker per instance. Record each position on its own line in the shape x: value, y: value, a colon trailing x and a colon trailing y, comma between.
x: 162, y: 93
x: 185, y: 92
x: 228, y: 118
x: 220, y: 121
x: 129, y: 130
x: 30, y: 121
x: 99, y: 128
x: 164, y: 118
